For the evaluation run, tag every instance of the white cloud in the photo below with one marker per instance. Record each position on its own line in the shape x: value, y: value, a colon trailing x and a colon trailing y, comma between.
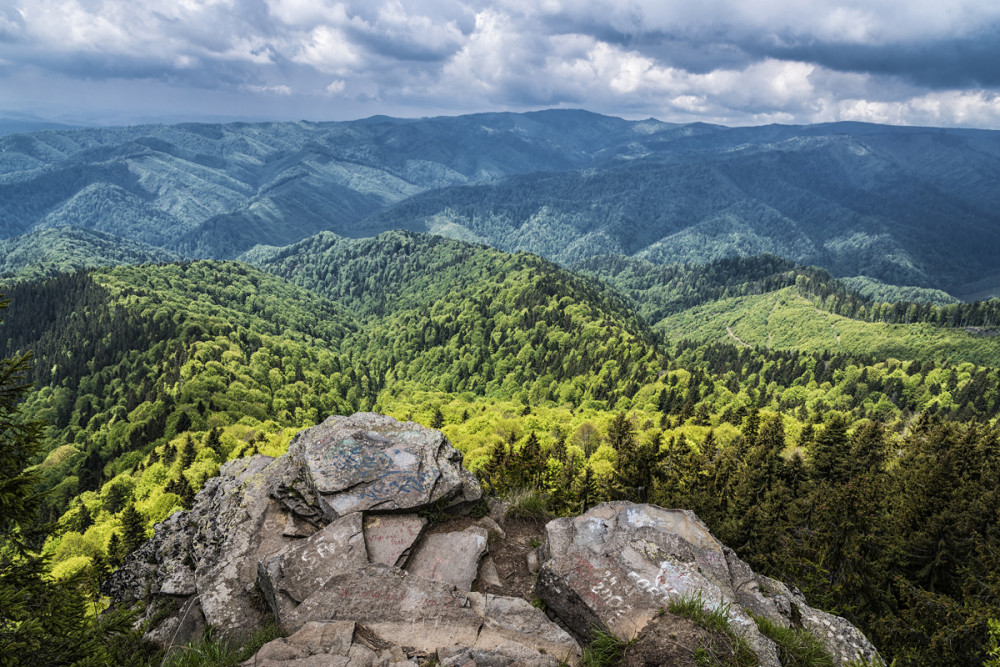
x: 272, y: 90
x: 327, y: 50
x: 717, y: 60
x: 967, y: 108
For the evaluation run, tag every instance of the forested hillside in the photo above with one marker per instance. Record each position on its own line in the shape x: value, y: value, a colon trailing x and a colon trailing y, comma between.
x: 551, y: 383
x: 49, y: 252
x: 862, y: 204
x: 773, y: 303
x: 903, y: 206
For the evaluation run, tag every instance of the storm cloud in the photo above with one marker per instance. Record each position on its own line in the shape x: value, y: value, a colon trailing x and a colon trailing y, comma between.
x: 724, y: 61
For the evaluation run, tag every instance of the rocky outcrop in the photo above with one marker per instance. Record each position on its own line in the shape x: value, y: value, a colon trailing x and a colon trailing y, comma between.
x: 619, y: 565
x: 329, y: 541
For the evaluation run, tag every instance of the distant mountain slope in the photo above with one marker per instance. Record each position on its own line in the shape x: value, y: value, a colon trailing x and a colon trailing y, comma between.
x: 216, y: 190
x: 905, y: 206
x: 61, y: 249
x: 898, y: 205
x: 12, y: 122
x: 770, y: 303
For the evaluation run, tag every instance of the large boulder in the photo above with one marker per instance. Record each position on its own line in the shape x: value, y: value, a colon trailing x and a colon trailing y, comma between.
x: 619, y: 565
x: 370, y: 462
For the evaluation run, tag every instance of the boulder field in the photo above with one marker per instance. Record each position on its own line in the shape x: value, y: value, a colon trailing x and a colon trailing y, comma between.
x: 369, y: 544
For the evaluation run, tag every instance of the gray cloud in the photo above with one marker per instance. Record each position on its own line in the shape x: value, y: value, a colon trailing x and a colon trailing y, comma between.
x: 939, y: 64
x: 725, y: 61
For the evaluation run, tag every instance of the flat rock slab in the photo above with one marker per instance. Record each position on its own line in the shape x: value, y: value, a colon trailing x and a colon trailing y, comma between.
x: 427, y: 615
x: 452, y: 558
x: 389, y: 537
x: 292, y: 575
x: 618, y: 564
x: 509, y: 622
x: 373, y: 462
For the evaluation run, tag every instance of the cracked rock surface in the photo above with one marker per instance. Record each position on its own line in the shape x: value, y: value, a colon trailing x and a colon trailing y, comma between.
x: 331, y: 540
x: 319, y: 538
x: 619, y: 564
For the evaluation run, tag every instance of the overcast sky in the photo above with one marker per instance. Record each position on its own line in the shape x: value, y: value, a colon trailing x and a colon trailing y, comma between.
x: 736, y: 62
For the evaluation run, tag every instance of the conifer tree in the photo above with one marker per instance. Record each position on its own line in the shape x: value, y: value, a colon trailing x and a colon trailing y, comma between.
x: 83, y: 519
x: 187, y: 453
x: 133, y: 529
x: 213, y: 441
x: 830, y: 455
x: 496, y: 471
x: 637, y: 468
x: 183, y: 423
x: 437, y: 419
x: 558, y: 451
x: 532, y: 462
x: 587, y: 492
x: 115, y: 553
x: 185, y: 492
x: 42, y: 621
x: 621, y: 432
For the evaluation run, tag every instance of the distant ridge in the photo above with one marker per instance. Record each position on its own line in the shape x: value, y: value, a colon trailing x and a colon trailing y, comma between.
x: 900, y: 205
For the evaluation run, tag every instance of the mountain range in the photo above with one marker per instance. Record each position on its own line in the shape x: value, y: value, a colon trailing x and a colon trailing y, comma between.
x: 904, y: 206
x: 763, y: 325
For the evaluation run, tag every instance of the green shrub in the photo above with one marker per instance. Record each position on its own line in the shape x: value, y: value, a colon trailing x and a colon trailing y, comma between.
x: 529, y: 505
x: 605, y: 649
x: 796, y: 646
x: 210, y: 651
x: 731, y: 650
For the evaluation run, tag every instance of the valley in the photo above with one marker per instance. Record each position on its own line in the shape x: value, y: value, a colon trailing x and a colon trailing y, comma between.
x: 736, y: 321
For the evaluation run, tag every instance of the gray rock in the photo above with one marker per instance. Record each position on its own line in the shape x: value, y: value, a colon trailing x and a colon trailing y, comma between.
x: 188, y: 622
x: 210, y: 553
x: 451, y: 558
x: 488, y: 575
x: 491, y: 527
x: 293, y: 574
x: 373, y: 462
x: 179, y: 582
x: 297, y: 527
x: 235, y: 523
x: 389, y: 537
x: 616, y: 565
x: 315, y: 644
x: 497, y: 508
x: 533, y: 560
x: 512, y: 627
x: 428, y: 615
x: 841, y: 639
x: 397, y: 607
